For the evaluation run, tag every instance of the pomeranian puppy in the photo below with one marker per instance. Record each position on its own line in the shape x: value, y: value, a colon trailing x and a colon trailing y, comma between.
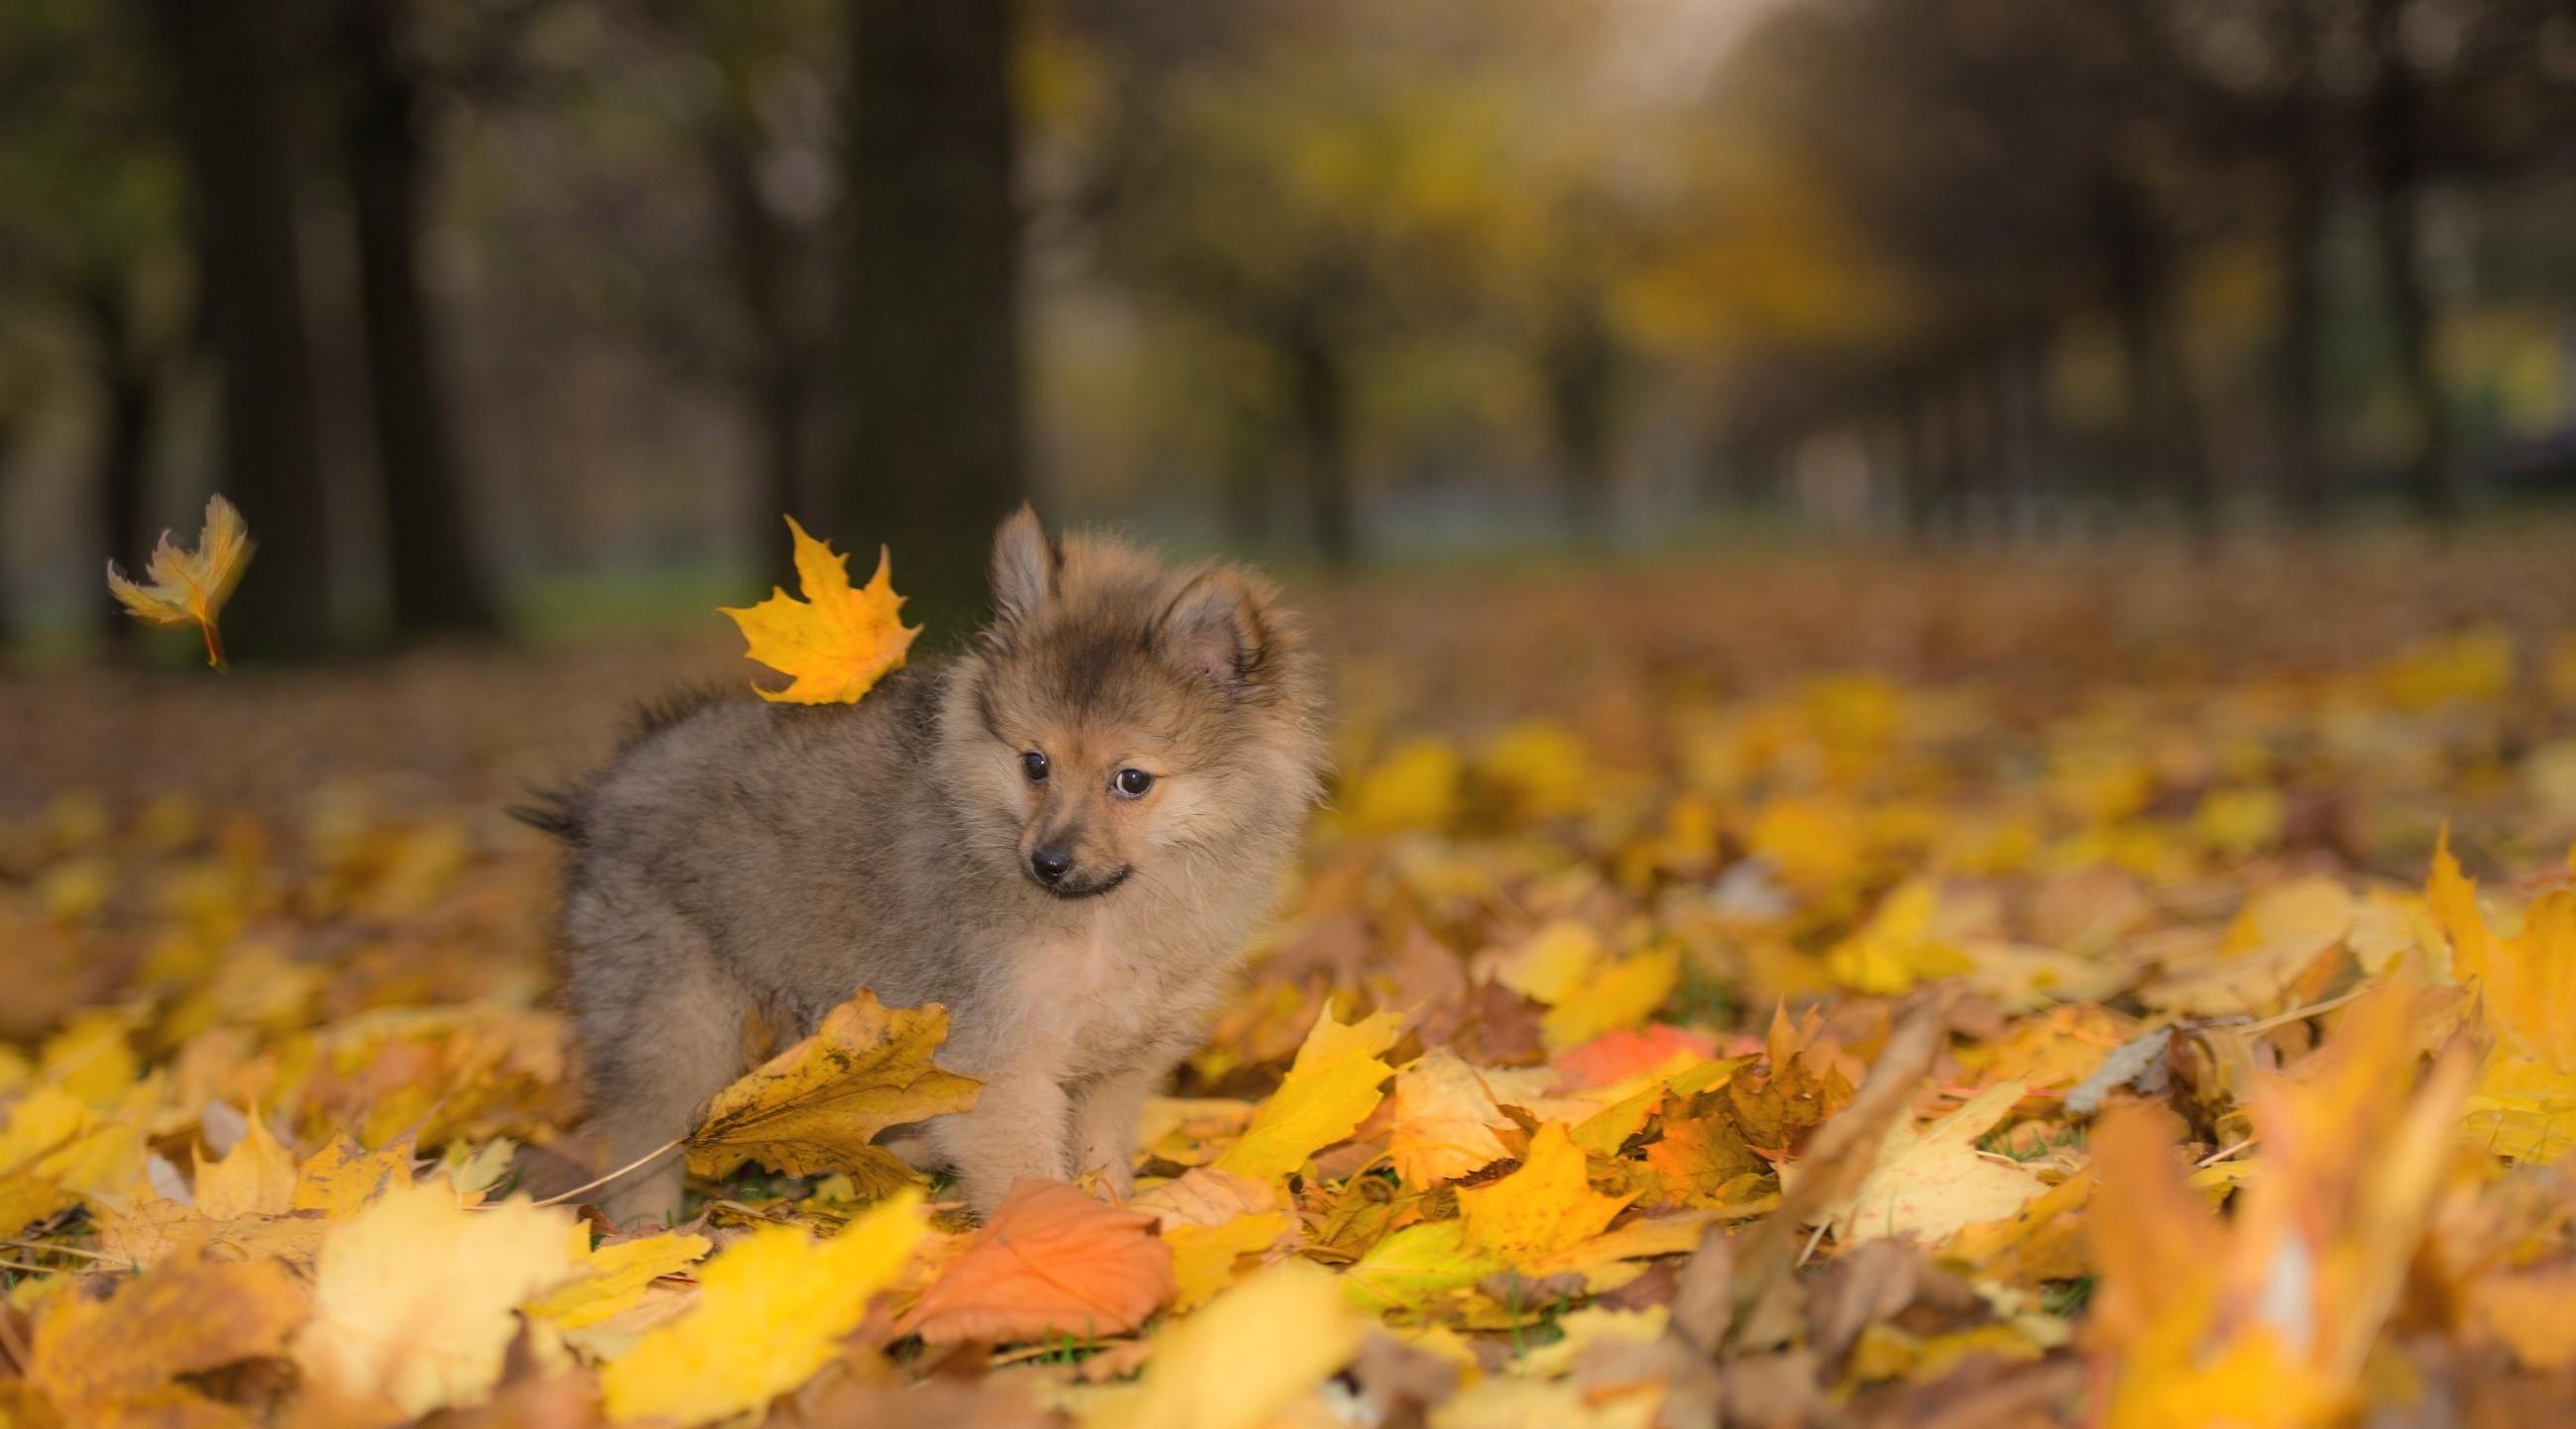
x: 1065, y: 835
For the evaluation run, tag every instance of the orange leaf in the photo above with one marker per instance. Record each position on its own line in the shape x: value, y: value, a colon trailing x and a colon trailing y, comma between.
x: 1052, y: 1261
x: 839, y: 640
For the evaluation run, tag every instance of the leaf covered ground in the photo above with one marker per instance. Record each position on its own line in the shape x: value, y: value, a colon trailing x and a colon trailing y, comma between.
x: 1826, y: 990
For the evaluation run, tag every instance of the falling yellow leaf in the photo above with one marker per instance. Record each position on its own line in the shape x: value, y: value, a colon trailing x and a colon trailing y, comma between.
x: 412, y: 1297
x: 837, y: 641
x: 1329, y: 1090
x: 1245, y: 1357
x: 772, y: 1309
x: 1926, y: 1185
x: 1546, y: 1206
x: 118, y: 1361
x: 1443, y: 1121
x: 190, y: 587
x: 816, y: 1107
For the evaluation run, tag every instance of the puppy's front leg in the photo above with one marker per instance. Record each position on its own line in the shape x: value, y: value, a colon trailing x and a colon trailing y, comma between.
x: 1016, y: 1130
x: 1104, y: 1128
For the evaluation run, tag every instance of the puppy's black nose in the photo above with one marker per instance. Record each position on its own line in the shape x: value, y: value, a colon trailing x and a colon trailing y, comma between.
x: 1050, y: 864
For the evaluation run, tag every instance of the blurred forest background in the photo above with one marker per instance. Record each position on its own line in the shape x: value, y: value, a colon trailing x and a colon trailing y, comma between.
x: 511, y: 314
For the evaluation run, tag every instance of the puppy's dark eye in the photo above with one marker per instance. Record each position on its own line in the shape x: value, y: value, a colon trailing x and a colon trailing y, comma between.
x: 1133, y: 783
x: 1034, y: 765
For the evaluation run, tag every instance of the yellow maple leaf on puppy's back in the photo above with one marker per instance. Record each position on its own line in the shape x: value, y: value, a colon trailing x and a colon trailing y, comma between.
x: 839, y: 640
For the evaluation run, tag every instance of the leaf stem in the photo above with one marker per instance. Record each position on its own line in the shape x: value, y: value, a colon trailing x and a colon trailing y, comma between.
x: 649, y: 1157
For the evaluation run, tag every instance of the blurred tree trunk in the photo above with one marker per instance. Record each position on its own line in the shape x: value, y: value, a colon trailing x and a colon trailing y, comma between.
x: 1580, y: 363
x: 1319, y: 378
x: 780, y: 377
x: 934, y: 456
x: 129, y: 385
x: 438, y: 586
x: 2301, y: 345
x: 2163, y: 445
x: 230, y: 77
x: 2393, y: 132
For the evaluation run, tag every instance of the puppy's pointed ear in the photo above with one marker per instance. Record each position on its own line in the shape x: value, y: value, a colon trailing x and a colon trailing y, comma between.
x: 1214, y: 629
x: 1024, y: 567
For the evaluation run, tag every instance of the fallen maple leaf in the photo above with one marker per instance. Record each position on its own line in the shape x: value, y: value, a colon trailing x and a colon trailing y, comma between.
x: 837, y: 641
x: 772, y: 1310
x: 119, y: 1361
x: 1443, y: 1121
x: 2268, y: 1318
x: 190, y: 587
x: 2524, y: 1104
x: 344, y: 1178
x: 817, y: 1106
x: 1204, y: 1257
x: 256, y: 1178
x: 1246, y: 1357
x: 614, y: 1276
x: 1927, y: 1185
x: 1052, y: 1261
x: 1546, y: 1206
x: 412, y: 1297
x: 1329, y: 1090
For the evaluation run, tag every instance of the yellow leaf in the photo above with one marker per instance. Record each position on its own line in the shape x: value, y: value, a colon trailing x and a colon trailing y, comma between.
x: 118, y: 1361
x: 1554, y: 964
x: 412, y: 1297
x: 2524, y: 1103
x: 1444, y: 1122
x: 1899, y: 946
x: 345, y: 1178
x: 1414, y: 787
x: 838, y: 641
x: 816, y: 1106
x: 191, y: 586
x: 54, y: 1150
x: 1623, y: 994
x: 615, y: 1276
x: 772, y: 1310
x: 257, y: 1179
x: 1247, y: 1356
x: 1203, y: 1257
x: 1328, y: 1092
x: 1414, y: 1264
x: 1927, y: 1185
x: 1546, y: 1206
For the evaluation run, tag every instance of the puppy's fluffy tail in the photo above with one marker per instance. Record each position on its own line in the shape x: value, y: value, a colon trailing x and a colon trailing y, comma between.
x: 551, y: 811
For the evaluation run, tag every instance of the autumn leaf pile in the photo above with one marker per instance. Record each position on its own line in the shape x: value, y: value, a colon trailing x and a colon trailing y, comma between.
x: 1813, y: 991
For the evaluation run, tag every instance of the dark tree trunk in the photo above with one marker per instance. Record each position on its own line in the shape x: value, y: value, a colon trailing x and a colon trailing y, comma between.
x: 2300, y: 348
x: 2393, y: 128
x: 129, y: 386
x: 2163, y: 446
x: 438, y: 586
x: 1320, y: 397
x: 1581, y: 372
x: 778, y: 378
x: 230, y: 76
x: 934, y: 454
x: 133, y: 402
